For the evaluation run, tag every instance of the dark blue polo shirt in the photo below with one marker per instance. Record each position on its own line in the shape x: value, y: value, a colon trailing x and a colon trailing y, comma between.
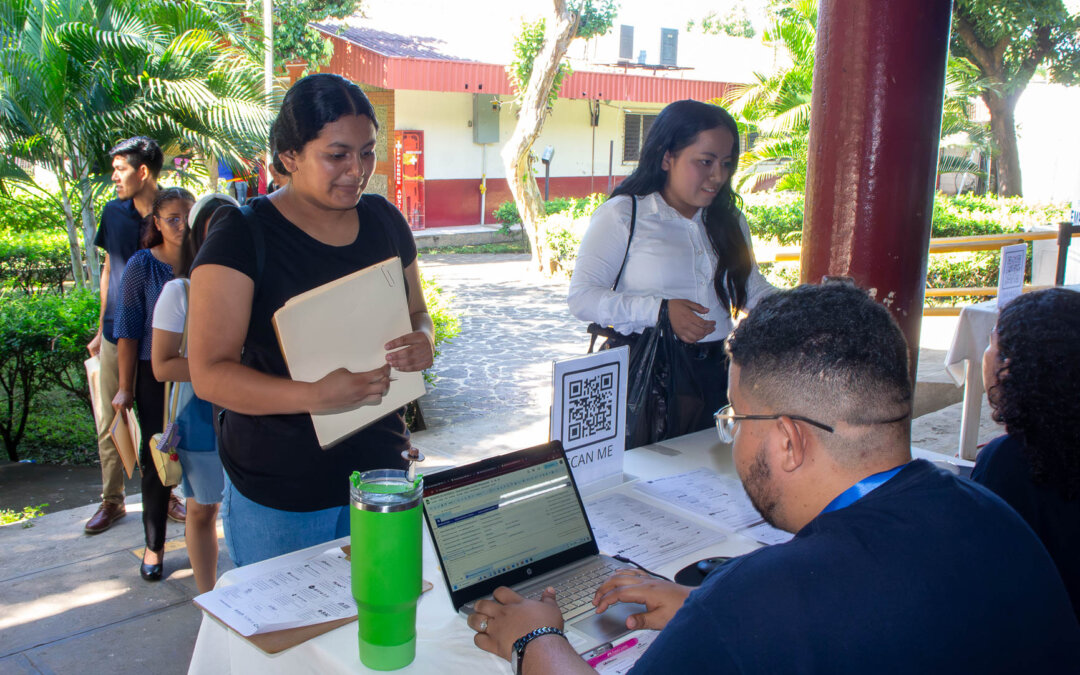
x: 118, y: 233
x: 929, y: 573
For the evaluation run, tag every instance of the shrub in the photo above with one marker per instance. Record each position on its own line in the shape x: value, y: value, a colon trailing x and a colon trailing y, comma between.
x: 34, y: 260
x: 42, y: 338
x: 21, y: 212
x: 778, y: 216
x: 446, y: 321
x: 775, y: 216
x: 507, y: 212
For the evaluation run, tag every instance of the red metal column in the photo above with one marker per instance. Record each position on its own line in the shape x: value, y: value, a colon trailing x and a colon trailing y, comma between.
x: 879, y: 78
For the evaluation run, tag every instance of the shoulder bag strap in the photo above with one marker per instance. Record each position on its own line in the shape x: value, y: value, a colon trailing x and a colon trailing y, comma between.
x: 172, y: 394
x: 187, y: 313
x: 595, y: 329
x: 633, y: 222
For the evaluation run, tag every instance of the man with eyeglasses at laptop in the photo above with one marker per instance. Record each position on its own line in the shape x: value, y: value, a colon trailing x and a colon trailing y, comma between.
x: 896, y: 566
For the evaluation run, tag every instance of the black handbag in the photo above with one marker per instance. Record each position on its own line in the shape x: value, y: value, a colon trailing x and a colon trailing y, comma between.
x: 663, y: 399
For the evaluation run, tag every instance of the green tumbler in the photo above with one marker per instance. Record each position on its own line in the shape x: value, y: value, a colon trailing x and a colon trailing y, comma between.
x: 386, y: 562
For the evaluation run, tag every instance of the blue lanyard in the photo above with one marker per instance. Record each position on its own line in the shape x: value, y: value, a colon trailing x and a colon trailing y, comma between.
x: 861, y: 489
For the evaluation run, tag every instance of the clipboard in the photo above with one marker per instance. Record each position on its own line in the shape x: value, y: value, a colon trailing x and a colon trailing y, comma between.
x: 127, y: 438
x: 280, y: 640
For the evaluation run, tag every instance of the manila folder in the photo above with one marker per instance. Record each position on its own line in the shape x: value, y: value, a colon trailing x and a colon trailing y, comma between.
x: 346, y: 324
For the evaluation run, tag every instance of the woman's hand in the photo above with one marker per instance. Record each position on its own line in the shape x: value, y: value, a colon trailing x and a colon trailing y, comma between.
x: 661, y: 598
x: 123, y: 400
x: 688, y: 326
x: 344, y: 390
x: 415, y: 351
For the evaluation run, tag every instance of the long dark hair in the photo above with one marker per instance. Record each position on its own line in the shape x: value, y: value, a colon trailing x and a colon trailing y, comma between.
x: 676, y: 127
x: 151, y: 235
x: 312, y: 103
x: 202, y: 215
x: 1037, y: 397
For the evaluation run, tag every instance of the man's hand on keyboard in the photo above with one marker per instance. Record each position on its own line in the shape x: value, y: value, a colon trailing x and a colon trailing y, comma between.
x: 661, y: 598
x: 500, y: 622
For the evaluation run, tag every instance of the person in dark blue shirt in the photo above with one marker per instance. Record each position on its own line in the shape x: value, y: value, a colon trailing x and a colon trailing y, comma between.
x: 136, y: 163
x: 895, y: 567
x: 1032, y: 374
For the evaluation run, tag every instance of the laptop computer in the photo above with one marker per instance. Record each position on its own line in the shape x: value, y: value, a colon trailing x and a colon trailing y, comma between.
x: 517, y: 520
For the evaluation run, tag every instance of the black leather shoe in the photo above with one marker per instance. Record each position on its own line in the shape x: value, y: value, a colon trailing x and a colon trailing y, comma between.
x: 151, y: 572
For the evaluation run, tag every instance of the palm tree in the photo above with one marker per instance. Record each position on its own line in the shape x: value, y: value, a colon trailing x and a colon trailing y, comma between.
x: 76, y: 76
x: 774, y: 111
x: 959, y: 130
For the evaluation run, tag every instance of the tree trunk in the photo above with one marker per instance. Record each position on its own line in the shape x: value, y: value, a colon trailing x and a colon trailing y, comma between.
x: 93, y: 265
x: 73, y: 235
x: 1003, y: 126
x: 534, y: 110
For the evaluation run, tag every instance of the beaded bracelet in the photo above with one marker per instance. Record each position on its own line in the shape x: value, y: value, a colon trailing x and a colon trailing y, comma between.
x: 522, y: 642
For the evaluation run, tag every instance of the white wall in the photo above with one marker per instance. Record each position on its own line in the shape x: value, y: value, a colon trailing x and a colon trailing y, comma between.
x: 1048, y: 137
x: 449, y: 151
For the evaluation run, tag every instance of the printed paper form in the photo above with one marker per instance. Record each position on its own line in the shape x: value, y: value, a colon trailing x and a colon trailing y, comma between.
x: 309, y: 592
x: 643, y: 533
x: 721, y: 498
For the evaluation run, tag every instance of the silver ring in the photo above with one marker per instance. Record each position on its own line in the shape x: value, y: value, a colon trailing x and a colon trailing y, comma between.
x: 483, y: 626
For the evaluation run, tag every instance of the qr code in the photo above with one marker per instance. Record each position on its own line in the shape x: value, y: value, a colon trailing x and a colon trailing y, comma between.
x: 590, y: 415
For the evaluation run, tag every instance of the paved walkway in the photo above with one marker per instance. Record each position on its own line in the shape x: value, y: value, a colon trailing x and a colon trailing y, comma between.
x: 513, y: 324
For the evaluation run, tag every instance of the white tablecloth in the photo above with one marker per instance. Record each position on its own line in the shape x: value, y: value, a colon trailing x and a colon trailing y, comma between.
x: 444, y: 641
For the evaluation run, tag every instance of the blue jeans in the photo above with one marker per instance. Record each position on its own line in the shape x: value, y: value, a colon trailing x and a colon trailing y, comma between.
x: 254, y: 532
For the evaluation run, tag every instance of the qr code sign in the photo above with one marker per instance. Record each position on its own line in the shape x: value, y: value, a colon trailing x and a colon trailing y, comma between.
x: 591, y: 412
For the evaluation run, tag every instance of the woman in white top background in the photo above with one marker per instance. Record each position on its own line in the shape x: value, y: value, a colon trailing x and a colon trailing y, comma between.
x: 204, y: 477
x: 690, y: 245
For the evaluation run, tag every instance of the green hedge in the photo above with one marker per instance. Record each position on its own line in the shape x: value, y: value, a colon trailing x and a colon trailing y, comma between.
x: 507, y: 212
x: 22, y: 212
x: 43, y: 340
x: 34, y: 261
x: 778, y: 216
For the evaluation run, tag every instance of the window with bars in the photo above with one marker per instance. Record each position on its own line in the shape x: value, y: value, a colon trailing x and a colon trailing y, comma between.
x: 635, y: 128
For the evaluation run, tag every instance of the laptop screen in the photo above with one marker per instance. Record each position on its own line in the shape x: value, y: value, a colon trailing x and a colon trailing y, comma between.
x: 504, y: 516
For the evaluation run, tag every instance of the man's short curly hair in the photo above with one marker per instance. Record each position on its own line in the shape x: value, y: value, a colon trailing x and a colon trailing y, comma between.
x: 828, y: 352
x: 1037, y: 397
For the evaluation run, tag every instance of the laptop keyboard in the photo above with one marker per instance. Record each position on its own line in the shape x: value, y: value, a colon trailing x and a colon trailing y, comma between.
x: 575, y: 593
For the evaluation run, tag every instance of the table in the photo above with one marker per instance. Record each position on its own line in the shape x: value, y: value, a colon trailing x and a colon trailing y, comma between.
x: 444, y: 642
x: 963, y: 362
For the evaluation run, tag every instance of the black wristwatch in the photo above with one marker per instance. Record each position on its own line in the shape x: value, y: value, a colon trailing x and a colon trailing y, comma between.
x: 517, y: 653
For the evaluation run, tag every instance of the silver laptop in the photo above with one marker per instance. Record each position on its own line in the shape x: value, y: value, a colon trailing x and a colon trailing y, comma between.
x: 517, y: 520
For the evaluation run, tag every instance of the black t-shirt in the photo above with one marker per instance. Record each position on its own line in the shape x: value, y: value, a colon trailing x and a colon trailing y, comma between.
x: 118, y: 233
x: 1003, y: 467
x: 275, y: 460
x: 929, y: 573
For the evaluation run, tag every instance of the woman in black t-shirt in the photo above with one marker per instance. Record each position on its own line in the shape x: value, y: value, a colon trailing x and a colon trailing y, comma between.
x: 283, y: 492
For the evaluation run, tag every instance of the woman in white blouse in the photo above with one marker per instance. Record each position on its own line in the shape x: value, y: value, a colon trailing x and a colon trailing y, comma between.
x: 690, y: 245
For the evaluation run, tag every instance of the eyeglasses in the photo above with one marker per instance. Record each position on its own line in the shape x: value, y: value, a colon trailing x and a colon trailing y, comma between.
x: 174, y: 221
x: 726, y: 420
